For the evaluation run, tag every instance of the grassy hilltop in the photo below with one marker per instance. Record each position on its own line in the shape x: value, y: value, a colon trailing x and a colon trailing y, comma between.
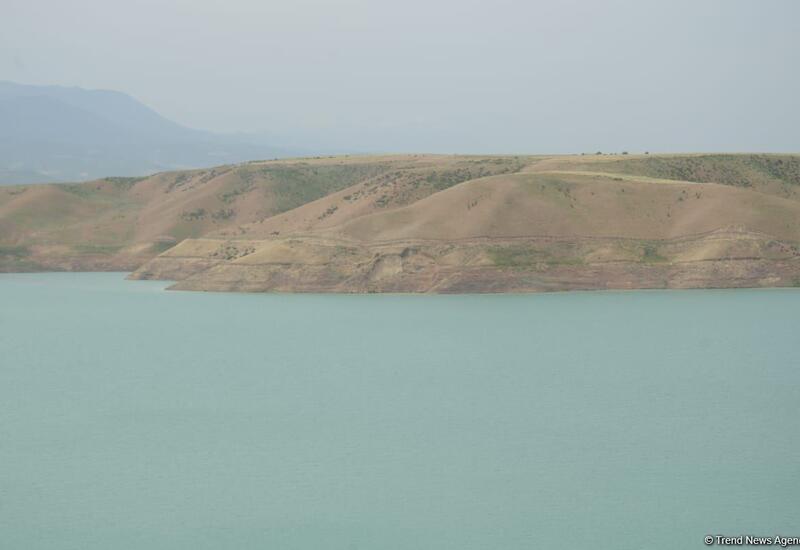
x: 423, y: 223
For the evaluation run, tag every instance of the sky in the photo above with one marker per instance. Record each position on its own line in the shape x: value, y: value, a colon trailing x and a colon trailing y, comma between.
x: 442, y: 76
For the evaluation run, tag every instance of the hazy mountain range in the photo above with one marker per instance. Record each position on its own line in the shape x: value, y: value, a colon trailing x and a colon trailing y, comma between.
x: 54, y: 133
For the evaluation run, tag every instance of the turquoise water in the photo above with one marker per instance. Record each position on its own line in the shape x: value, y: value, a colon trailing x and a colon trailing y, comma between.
x: 133, y: 418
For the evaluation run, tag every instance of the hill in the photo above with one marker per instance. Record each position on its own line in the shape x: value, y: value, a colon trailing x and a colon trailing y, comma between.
x: 118, y: 223
x: 52, y: 133
x: 422, y: 223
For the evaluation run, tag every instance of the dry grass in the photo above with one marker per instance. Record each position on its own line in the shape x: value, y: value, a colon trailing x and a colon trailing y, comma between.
x: 371, y: 222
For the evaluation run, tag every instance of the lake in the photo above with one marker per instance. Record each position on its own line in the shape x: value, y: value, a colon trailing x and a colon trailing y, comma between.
x: 135, y: 418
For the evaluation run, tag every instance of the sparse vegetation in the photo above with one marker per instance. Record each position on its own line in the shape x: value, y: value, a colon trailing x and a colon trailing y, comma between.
x: 162, y: 245
x: 179, y: 179
x: 193, y: 215
x: 297, y: 185
x: 735, y: 170
x: 526, y: 256
x: 82, y: 190
x: 328, y: 212
x: 650, y: 253
x: 223, y: 214
x: 240, y: 189
x: 557, y: 219
x: 15, y: 251
x: 125, y: 183
x: 231, y: 252
x: 99, y: 249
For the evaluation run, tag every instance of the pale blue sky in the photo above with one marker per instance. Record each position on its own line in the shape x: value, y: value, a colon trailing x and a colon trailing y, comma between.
x: 435, y: 75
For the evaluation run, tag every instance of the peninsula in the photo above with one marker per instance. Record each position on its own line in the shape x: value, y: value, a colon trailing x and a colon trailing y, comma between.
x: 425, y: 223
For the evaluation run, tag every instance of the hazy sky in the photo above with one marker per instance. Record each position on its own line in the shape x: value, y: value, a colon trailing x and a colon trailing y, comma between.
x: 435, y: 75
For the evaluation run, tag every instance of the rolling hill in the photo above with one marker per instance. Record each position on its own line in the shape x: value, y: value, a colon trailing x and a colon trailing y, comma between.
x: 424, y: 223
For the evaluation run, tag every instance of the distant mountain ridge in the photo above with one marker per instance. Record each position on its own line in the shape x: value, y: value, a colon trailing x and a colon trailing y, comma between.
x: 54, y: 133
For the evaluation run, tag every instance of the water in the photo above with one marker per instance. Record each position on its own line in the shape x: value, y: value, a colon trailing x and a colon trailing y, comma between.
x: 135, y: 418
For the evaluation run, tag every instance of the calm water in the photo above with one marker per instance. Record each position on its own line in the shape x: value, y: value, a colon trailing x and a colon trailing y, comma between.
x: 133, y: 418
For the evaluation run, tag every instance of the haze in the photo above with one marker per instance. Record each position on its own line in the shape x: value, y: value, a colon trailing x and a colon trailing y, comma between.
x: 443, y: 76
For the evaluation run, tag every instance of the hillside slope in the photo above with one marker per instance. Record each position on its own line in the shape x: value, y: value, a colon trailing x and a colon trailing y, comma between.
x: 420, y: 223
x: 119, y: 223
x: 544, y: 224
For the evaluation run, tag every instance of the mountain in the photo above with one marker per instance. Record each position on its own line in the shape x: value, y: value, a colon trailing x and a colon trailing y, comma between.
x: 52, y: 133
x: 425, y: 223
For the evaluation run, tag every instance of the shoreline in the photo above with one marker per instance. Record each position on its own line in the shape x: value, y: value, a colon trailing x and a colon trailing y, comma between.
x: 125, y: 277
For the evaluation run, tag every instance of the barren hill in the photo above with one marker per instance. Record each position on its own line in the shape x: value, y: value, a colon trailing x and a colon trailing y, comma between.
x: 420, y: 223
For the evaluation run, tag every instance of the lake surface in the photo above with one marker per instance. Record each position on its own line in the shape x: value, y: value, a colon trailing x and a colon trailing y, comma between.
x: 134, y: 418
